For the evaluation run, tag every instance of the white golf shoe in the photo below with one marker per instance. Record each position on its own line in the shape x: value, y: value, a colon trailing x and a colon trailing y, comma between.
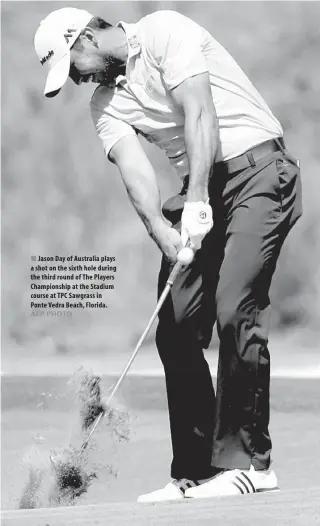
x: 235, y: 482
x: 175, y: 490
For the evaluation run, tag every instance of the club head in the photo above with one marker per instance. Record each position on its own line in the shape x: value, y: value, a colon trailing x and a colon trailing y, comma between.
x: 91, y: 401
x: 52, y: 461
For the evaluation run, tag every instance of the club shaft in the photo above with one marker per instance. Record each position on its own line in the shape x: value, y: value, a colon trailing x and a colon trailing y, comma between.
x: 175, y: 271
x: 162, y: 299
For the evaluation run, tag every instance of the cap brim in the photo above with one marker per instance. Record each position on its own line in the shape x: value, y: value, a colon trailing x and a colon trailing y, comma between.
x: 57, y: 76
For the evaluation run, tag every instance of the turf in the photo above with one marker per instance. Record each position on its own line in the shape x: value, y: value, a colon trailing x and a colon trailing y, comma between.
x: 126, y: 469
x: 279, y: 509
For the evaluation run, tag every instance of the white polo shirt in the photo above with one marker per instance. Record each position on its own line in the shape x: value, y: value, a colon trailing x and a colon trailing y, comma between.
x: 164, y: 49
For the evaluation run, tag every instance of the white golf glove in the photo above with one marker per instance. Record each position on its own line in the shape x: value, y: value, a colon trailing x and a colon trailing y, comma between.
x: 196, y: 222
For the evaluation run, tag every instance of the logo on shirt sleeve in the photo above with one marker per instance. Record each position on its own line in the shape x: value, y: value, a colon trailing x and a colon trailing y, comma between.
x: 134, y: 42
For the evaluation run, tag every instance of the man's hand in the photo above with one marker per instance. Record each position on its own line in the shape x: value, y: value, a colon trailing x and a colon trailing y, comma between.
x: 167, y: 239
x: 196, y: 222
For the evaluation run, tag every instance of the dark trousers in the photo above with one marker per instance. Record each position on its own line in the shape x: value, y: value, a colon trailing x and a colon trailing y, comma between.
x: 227, y: 283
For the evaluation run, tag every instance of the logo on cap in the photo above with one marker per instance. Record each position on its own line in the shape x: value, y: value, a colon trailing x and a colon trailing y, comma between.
x: 68, y: 34
x: 46, y: 57
x: 202, y: 215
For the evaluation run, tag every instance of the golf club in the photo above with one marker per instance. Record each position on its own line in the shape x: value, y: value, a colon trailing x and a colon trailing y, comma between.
x: 71, y: 479
x: 189, y: 253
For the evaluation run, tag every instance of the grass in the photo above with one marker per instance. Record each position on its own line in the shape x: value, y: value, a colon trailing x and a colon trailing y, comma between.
x: 289, y: 508
x: 143, y: 465
x: 126, y: 469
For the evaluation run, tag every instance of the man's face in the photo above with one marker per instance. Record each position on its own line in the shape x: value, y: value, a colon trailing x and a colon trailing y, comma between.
x: 88, y: 64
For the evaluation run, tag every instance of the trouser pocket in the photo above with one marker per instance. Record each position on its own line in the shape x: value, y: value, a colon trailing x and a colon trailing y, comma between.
x: 172, y: 209
x: 289, y: 188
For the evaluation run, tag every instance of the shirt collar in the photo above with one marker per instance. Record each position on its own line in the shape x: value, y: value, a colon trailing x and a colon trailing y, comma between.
x: 134, y: 45
x: 133, y: 41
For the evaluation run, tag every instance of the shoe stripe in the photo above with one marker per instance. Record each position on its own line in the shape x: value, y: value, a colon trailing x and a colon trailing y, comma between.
x: 184, y: 484
x: 247, y: 478
x: 239, y: 487
x: 243, y: 483
x: 261, y: 490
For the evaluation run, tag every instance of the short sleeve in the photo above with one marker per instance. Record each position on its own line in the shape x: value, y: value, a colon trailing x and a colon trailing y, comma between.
x: 109, y: 129
x: 176, y: 45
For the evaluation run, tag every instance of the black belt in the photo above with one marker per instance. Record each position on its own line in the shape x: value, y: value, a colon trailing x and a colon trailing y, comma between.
x: 253, y: 156
x: 248, y: 159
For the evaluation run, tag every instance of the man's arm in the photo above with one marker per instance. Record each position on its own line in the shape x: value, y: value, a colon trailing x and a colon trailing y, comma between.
x: 194, y: 97
x: 177, y: 45
x: 142, y: 186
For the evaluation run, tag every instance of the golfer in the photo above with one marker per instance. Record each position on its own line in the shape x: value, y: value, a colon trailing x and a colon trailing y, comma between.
x: 167, y: 79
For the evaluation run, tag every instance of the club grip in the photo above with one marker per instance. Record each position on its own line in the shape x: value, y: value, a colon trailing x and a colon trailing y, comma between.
x: 174, y: 273
x: 176, y: 269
